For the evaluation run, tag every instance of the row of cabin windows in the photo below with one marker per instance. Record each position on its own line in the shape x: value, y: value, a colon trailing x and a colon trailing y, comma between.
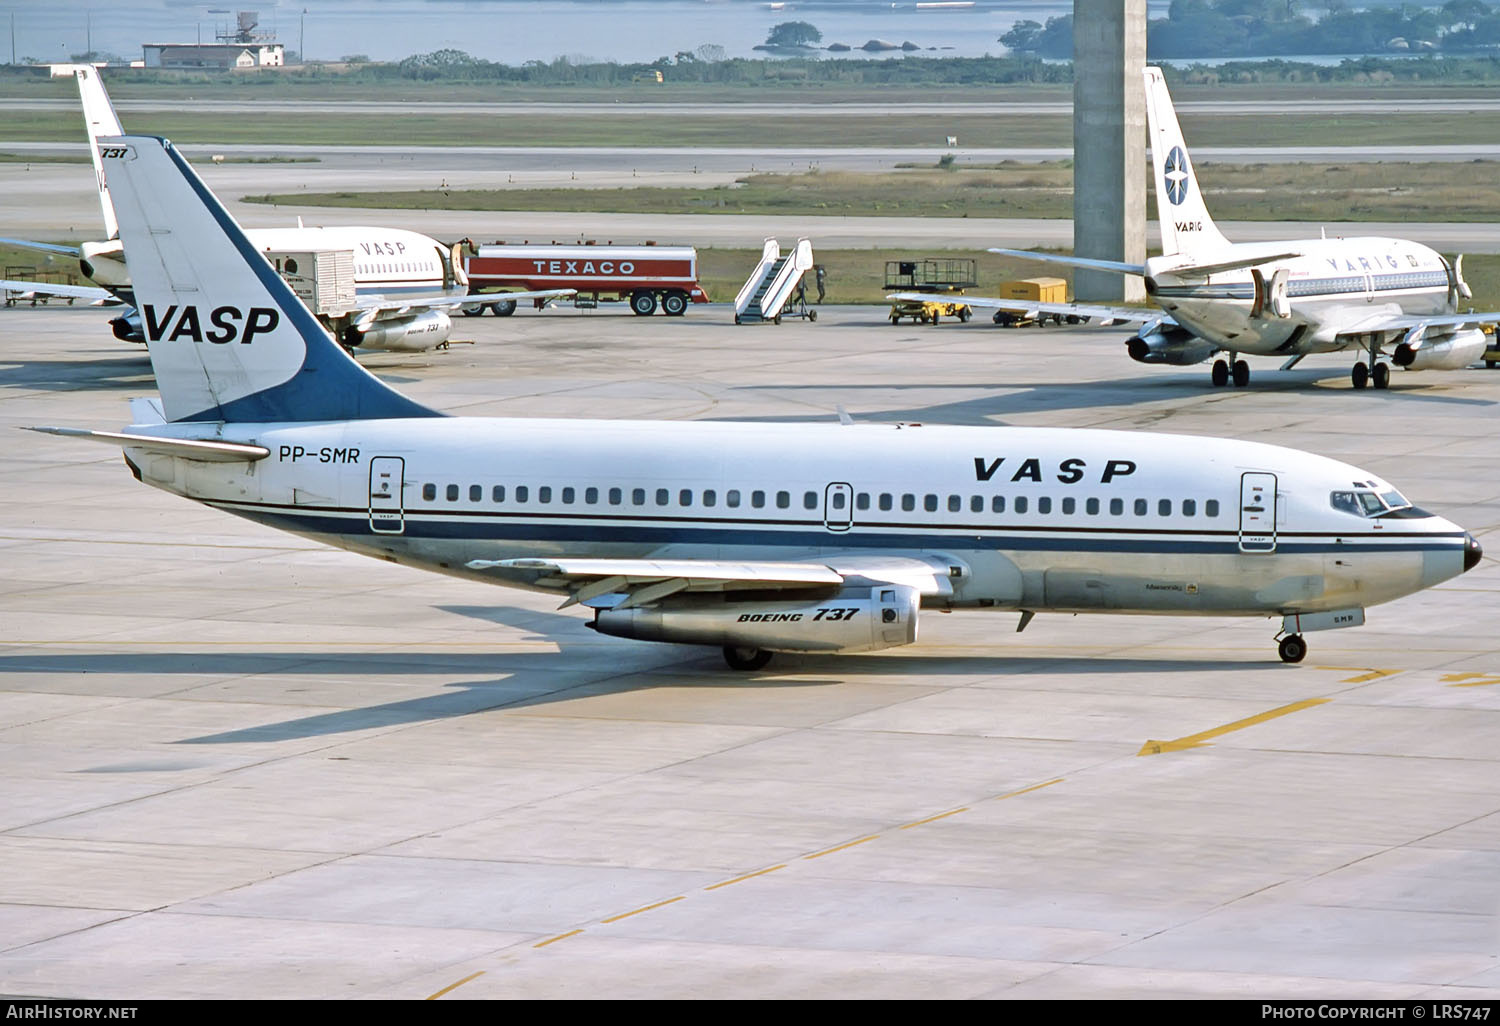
x: 885, y: 501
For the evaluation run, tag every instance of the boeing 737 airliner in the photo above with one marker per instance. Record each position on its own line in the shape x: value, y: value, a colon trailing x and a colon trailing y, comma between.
x: 755, y: 538
x: 1287, y: 299
x: 379, y: 288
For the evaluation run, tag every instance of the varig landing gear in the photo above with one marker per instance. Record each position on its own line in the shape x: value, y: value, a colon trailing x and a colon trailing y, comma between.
x: 1292, y: 648
x: 1380, y: 373
x: 746, y: 658
x: 1223, y: 370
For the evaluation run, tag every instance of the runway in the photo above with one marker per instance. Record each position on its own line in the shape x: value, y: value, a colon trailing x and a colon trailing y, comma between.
x: 239, y: 765
x: 58, y: 203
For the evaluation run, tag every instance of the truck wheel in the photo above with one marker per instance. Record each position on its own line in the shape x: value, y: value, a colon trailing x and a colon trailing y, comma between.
x: 674, y: 304
x: 473, y: 311
x: 504, y: 308
x: 643, y: 302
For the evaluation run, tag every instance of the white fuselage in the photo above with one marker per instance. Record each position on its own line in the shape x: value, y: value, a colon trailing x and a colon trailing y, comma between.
x: 1035, y: 519
x: 1329, y: 289
x: 387, y: 261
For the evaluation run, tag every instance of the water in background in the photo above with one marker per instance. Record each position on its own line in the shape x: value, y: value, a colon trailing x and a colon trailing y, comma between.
x: 514, y: 31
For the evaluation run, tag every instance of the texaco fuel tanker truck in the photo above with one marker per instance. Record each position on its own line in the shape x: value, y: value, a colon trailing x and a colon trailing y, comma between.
x: 646, y: 276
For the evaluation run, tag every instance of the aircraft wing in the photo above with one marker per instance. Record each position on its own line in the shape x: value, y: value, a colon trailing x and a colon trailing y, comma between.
x: 1072, y: 261
x: 31, y: 289
x: 43, y: 247
x: 379, y: 304
x: 1085, y: 311
x: 624, y: 583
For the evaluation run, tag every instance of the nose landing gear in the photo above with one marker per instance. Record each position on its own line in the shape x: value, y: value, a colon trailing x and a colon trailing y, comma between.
x: 1292, y: 648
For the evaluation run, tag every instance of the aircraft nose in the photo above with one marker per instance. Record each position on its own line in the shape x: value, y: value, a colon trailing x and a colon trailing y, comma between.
x: 1472, y: 552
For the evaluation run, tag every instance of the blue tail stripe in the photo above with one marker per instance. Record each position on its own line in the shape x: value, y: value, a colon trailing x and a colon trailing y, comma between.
x: 329, y: 385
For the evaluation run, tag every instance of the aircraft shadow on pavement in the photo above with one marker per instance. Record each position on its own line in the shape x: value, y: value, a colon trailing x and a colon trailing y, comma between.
x: 1009, y: 400
x: 531, y: 679
x: 116, y: 373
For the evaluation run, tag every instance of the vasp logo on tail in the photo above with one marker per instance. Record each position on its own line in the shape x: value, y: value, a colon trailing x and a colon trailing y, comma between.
x: 225, y: 324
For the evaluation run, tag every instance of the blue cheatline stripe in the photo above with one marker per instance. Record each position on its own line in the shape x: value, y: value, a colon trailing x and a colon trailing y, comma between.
x: 329, y: 385
x: 356, y: 523
x: 1311, y: 288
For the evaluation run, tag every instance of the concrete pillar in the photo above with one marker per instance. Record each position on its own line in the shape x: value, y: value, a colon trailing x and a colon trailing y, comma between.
x: 1109, y: 144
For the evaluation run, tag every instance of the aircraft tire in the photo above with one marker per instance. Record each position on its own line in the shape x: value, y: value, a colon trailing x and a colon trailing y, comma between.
x: 746, y: 659
x: 1360, y: 375
x: 1241, y: 372
x: 504, y: 308
x: 1382, y: 375
x: 1292, y: 648
x: 1220, y: 374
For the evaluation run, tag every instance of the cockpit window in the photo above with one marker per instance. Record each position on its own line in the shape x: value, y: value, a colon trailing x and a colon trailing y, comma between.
x: 1365, y: 503
x: 1345, y: 502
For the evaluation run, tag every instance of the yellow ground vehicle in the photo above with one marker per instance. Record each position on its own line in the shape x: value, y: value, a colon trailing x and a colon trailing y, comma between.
x: 944, y: 279
x: 1033, y: 290
x: 1492, y: 349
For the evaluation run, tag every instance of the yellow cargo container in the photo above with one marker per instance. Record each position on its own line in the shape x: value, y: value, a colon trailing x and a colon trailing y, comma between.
x: 1038, y: 290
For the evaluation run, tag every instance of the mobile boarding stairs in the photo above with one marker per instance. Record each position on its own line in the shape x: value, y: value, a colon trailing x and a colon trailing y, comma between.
x: 768, y: 294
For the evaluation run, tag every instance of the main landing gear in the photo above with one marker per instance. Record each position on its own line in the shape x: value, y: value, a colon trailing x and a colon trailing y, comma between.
x: 1223, y: 370
x: 1375, y: 371
x: 746, y: 658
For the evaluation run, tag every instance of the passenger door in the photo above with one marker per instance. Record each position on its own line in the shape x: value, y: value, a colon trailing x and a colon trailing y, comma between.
x: 1257, y: 512
x: 386, y: 513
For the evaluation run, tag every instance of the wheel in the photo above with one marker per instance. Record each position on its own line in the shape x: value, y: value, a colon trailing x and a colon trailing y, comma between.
x: 473, y: 311
x: 737, y: 319
x: 934, y: 318
x: 812, y: 315
x: 746, y: 658
x: 964, y: 314
x: 1074, y: 319
x: 776, y: 319
x: 643, y: 302
x: 1220, y: 374
x: 1360, y: 374
x: 1241, y: 373
x: 1382, y: 375
x: 674, y: 304
x: 895, y: 319
x: 1292, y: 649
x: 504, y: 308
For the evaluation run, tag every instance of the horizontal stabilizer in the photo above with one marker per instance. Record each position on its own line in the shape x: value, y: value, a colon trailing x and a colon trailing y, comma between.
x: 208, y: 450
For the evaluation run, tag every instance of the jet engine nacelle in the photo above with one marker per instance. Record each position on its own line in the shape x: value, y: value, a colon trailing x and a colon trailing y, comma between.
x: 127, y: 327
x: 103, y: 263
x: 1169, y: 344
x: 855, y: 619
x: 414, y: 334
x: 1450, y: 353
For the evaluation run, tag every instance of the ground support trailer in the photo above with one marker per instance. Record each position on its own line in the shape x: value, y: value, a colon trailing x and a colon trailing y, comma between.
x: 644, y: 276
x: 944, y: 279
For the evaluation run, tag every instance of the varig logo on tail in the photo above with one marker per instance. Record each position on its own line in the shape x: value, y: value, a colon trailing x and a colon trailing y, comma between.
x: 223, y: 324
x: 1175, y: 177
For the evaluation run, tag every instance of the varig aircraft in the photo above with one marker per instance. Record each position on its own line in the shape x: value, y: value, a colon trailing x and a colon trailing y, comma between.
x: 756, y: 538
x: 1286, y: 299
x: 373, y: 288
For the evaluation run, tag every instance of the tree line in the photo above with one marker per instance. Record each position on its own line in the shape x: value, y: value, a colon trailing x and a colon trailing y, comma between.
x: 1267, y: 28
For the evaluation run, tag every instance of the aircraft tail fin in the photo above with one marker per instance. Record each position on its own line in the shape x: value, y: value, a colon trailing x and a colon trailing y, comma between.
x: 100, y: 119
x: 229, y: 340
x: 1186, y: 228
